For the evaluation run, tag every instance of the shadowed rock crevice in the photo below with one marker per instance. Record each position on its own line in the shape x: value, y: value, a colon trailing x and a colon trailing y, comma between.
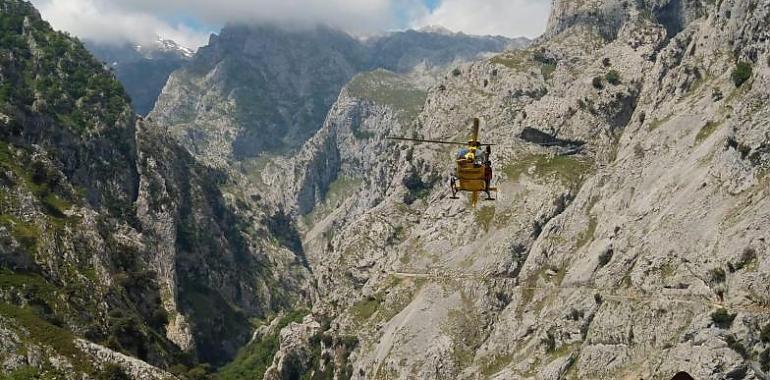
x: 541, y: 138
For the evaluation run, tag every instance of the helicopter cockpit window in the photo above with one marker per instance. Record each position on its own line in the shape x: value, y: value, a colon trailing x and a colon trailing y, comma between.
x: 481, y: 157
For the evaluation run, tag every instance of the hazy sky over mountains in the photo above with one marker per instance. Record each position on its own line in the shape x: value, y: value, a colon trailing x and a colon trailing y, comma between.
x: 190, y: 22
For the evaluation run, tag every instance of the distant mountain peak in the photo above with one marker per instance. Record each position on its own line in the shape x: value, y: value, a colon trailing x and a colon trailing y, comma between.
x: 438, y: 29
x: 161, y: 45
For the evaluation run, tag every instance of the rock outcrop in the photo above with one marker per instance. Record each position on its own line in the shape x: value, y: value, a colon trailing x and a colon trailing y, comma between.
x: 265, y: 89
x: 638, y: 254
x: 628, y: 238
x: 143, y: 70
x: 112, y: 233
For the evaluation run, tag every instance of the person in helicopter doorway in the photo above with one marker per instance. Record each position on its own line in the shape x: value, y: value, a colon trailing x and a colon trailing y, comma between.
x: 488, y: 178
x: 472, y: 154
x: 488, y: 171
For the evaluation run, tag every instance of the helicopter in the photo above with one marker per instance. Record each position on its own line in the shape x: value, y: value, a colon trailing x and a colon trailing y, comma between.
x: 471, y: 165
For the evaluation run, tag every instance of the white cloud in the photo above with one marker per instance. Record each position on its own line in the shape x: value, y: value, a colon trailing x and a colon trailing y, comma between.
x: 100, y: 21
x: 510, y: 18
x: 354, y: 15
x: 142, y: 20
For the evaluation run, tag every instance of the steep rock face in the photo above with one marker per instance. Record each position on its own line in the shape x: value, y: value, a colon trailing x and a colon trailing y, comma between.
x: 112, y: 237
x: 143, y: 70
x: 266, y: 89
x: 215, y: 262
x: 257, y: 89
x: 638, y: 256
x: 349, y: 149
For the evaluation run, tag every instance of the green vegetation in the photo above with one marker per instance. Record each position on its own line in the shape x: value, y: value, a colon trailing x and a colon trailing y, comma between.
x: 36, y: 177
x: 31, y: 285
x: 520, y: 60
x: 214, y: 315
x: 484, y: 217
x: 741, y: 73
x: 495, y: 365
x: 75, y: 88
x: 282, y: 228
x: 464, y: 328
x: 597, y: 83
x: 397, y: 236
x: 717, y: 275
x: 570, y: 170
x: 27, y: 373
x: 388, y: 89
x: 253, y: 360
x: 547, y: 70
x: 365, y: 308
x: 586, y: 236
x: 764, y: 360
x: 418, y: 189
x: 736, y: 346
x: 24, y: 233
x: 45, y: 333
x: 764, y: 335
x: 613, y: 77
x: 605, y: 257
x: 657, y: 123
x: 112, y: 372
x: 517, y: 60
x: 748, y: 261
x: 722, y: 318
x: 706, y: 131
x: 359, y: 134
x: 339, y: 190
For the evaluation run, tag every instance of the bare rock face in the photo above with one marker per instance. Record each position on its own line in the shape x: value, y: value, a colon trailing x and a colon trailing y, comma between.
x: 132, y: 367
x: 143, y: 70
x: 631, y: 245
x: 293, y: 358
x: 110, y: 231
x: 266, y: 90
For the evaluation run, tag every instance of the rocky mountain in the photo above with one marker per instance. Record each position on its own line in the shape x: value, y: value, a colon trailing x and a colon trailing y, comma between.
x: 254, y: 82
x: 142, y: 69
x: 120, y: 255
x: 401, y: 52
x: 628, y: 239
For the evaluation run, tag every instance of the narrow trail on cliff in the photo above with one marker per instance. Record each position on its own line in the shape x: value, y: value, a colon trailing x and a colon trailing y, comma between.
x: 616, y: 295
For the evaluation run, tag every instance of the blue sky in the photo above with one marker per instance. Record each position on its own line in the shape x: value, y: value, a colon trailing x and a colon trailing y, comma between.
x: 403, y: 17
x: 190, y: 22
x: 432, y: 4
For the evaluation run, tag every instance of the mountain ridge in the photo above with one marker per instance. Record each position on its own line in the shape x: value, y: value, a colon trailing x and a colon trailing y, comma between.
x: 143, y: 70
x: 638, y: 256
x: 115, y: 244
x: 307, y: 71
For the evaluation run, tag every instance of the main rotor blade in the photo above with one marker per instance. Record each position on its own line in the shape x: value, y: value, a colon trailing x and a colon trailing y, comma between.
x: 432, y: 141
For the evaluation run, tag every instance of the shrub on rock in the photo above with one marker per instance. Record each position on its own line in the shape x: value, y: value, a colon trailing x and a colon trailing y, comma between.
x: 741, y: 73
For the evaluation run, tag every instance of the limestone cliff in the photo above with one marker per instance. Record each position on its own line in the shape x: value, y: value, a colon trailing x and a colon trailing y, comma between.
x: 628, y: 238
x: 119, y: 253
x: 266, y: 89
x: 143, y: 70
